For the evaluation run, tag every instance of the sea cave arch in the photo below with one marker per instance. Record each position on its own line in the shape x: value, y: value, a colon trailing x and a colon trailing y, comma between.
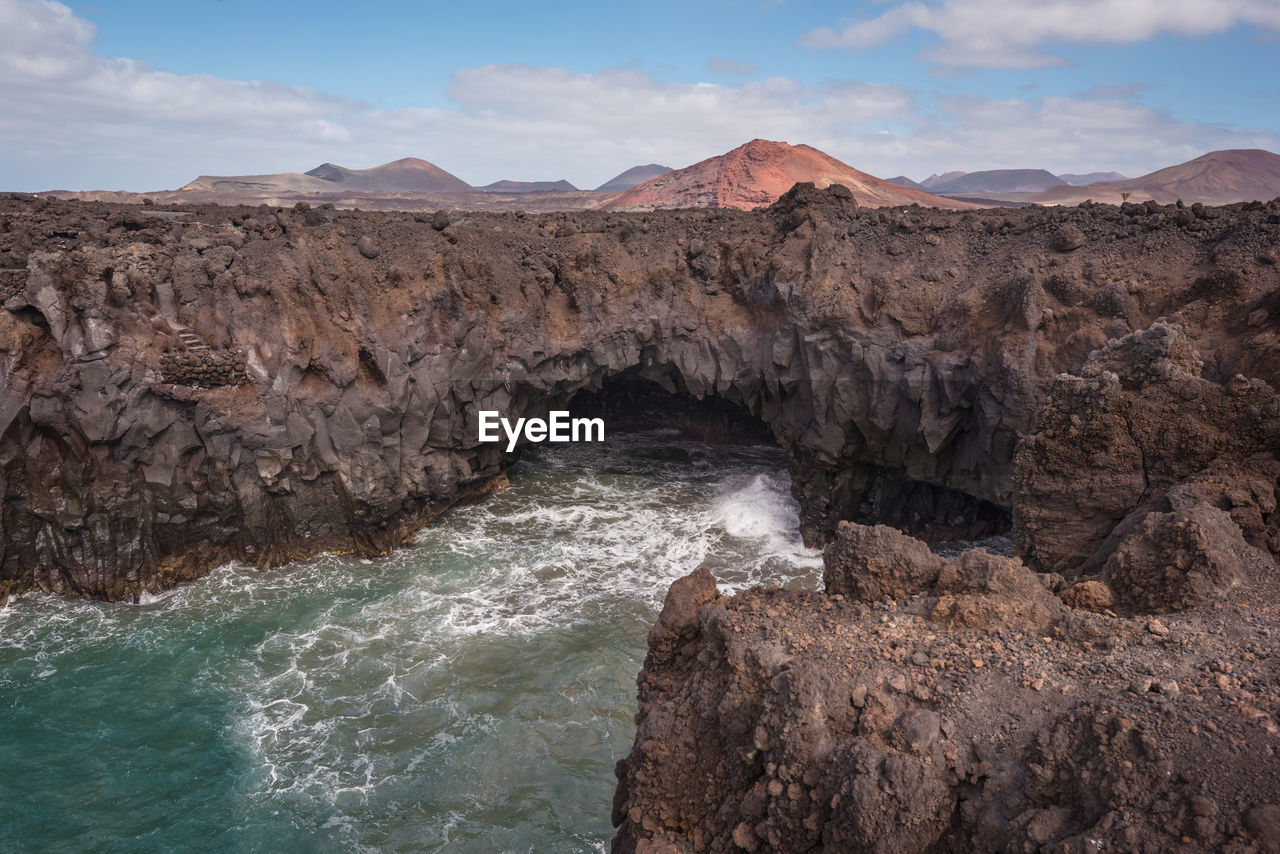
x: 829, y: 487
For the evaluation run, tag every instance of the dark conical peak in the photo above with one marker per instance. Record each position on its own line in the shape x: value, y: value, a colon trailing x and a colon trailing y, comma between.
x: 328, y: 172
x: 634, y: 176
x: 406, y: 175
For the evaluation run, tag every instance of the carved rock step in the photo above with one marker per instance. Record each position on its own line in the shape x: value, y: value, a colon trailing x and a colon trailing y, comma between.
x: 191, y: 340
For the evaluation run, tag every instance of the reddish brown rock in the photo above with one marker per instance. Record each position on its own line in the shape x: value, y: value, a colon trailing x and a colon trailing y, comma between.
x: 869, y: 562
x: 976, y: 589
x: 801, y: 721
x: 1090, y: 595
x: 678, y: 620
x: 1139, y: 420
x: 1177, y: 560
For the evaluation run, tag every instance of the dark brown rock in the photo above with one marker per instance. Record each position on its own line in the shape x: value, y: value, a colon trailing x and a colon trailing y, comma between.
x: 678, y: 621
x: 1177, y: 560
x: 1139, y: 420
x: 1263, y: 823
x: 899, y: 385
x: 1090, y: 595
x: 869, y: 562
x: 796, y: 721
x: 1069, y: 239
x: 976, y: 589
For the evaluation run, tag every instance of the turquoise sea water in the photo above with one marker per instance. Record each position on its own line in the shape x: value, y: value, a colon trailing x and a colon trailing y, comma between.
x: 470, y: 693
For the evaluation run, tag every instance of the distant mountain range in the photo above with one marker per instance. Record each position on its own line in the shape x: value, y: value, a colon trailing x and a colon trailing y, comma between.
x: 1216, y: 178
x: 749, y: 176
x: 560, y: 186
x: 757, y: 174
x: 1091, y: 178
x: 936, y: 180
x: 408, y: 175
x: 1001, y: 182
x: 633, y: 176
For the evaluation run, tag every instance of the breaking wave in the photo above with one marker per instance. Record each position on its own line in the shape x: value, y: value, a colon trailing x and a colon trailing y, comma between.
x: 471, y: 692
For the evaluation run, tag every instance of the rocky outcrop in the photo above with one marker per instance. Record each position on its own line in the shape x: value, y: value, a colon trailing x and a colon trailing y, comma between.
x: 921, y: 703
x: 1137, y: 423
x: 896, y: 354
x: 926, y: 704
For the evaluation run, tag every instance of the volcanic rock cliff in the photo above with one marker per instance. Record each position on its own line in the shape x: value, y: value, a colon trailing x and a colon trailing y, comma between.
x: 183, y: 388
x: 920, y: 703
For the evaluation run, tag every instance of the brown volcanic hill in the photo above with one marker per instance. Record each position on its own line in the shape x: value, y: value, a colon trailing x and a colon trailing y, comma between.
x: 507, y: 186
x: 634, y: 176
x: 408, y: 175
x: 1216, y: 178
x: 274, y: 183
x: 757, y: 174
x: 998, y: 181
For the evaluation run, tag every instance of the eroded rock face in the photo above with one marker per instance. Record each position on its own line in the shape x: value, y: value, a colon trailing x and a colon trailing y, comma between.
x: 924, y: 704
x: 896, y: 354
x: 1139, y: 421
x: 1177, y: 560
x: 956, y: 704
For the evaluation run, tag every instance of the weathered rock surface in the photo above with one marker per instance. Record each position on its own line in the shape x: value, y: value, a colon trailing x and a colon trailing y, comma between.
x: 1139, y: 421
x: 1177, y: 560
x: 925, y: 704
x: 897, y: 355
x: 181, y: 388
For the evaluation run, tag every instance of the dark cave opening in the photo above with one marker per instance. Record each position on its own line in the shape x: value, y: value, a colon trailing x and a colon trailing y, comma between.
x: 856, y: 491
x: 629, y: 402
x: 885, y: 496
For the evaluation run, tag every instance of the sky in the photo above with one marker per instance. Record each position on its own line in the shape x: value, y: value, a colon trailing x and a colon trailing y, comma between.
x: 144, y: 95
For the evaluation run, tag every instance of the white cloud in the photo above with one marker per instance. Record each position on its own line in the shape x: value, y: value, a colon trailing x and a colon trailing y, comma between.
x: 540, y: 123
x: 59, y: 99
x: 1009, y: 33
x: 72, y: 119
x: 517, y: 121
x: 1066, y: 135
x: 47, y: 65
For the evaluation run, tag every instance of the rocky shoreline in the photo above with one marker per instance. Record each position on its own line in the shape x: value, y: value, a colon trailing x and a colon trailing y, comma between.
x: 185, y: 387
x: 920, y: 703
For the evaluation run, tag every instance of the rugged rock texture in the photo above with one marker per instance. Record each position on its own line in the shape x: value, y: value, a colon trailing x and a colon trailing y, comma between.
x: 897, y: 355
x: 1139, y: 421
x: 922, y: 704
x: 1176, y: 560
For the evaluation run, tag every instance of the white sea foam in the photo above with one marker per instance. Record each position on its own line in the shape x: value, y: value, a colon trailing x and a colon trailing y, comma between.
x: 435, y: 692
